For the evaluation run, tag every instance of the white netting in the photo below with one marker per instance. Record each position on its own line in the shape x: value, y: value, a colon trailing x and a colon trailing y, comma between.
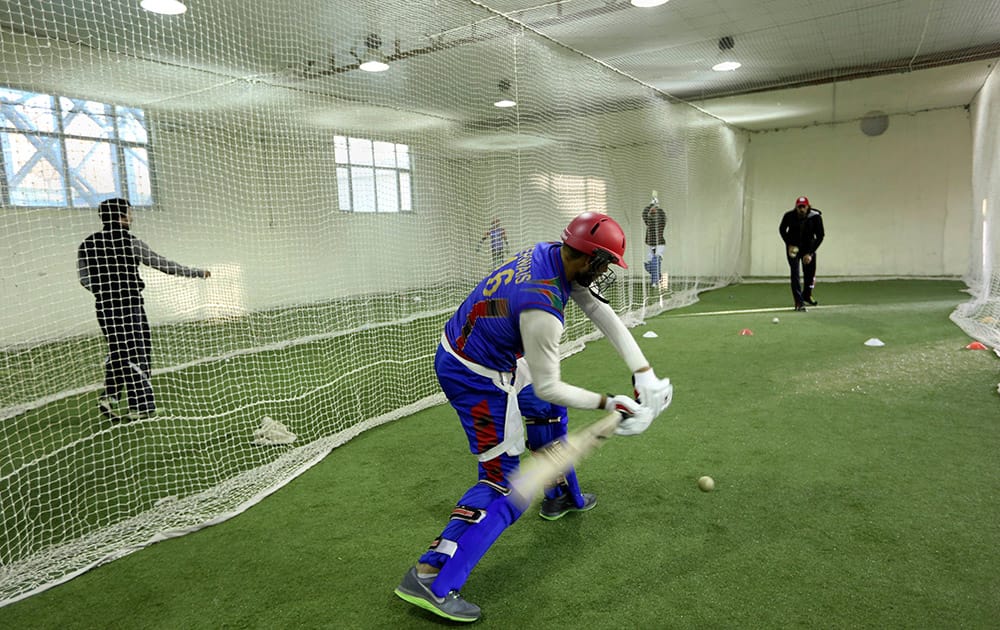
x: 980, y: 316
x: 227, y: 120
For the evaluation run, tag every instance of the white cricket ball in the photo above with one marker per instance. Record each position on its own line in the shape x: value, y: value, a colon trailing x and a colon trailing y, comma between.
x: 706, y: 483
x: 775, y: 320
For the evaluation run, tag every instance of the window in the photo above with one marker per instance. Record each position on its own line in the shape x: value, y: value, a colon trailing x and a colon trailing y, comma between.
x: 70, y: 152
x: 372, y: 176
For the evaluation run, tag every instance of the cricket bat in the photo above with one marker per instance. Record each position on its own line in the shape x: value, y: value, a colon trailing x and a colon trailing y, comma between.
x: 549, y: 464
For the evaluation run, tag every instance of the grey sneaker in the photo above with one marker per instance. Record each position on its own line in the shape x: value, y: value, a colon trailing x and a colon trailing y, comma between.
x: 563, y: 504
x: 417, y: 591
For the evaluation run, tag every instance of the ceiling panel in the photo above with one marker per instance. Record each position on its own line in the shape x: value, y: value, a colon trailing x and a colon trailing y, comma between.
x: 450, y: 54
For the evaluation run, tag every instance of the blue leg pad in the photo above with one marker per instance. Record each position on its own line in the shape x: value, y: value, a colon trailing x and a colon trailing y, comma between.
x: 481, y: 516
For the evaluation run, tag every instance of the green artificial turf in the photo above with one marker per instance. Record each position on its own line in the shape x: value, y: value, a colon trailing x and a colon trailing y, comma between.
x: 856, y: 487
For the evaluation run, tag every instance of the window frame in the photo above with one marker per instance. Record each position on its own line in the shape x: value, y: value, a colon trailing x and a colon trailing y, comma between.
x: 352, y: 171
x: 122, y: 151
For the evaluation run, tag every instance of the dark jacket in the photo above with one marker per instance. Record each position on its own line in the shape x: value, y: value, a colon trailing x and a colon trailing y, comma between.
x: 656, y: 221
x: 108, y: 265
x: 806, y: 232
x: 109, y: 262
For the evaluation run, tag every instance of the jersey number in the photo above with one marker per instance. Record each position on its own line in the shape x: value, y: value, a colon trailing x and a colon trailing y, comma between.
x: 497, y: 280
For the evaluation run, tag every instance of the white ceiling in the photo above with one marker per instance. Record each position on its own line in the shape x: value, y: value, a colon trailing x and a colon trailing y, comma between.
x: 804, y: 61
x: 780, y: 42
x: 842, y: 101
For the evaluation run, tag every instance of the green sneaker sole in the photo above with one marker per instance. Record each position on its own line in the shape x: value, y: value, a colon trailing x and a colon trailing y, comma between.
x: 426, y: 605
x: 553, y: 517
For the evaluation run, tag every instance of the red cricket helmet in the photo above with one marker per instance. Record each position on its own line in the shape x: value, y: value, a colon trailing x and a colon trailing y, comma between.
x: 593, y: 231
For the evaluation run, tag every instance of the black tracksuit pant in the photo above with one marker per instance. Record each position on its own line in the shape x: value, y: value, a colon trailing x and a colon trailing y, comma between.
x: 804, y: 291
x: 129, y: 362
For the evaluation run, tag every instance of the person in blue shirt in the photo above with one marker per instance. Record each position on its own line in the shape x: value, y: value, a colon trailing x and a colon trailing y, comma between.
x: 518, y: 311
x: 497, y: 236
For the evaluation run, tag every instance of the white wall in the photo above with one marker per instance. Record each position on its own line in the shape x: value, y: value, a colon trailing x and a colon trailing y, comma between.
x: 262, y: 215
x: 260, y: 211
x: 893, y: 205
x: 694, y: 162
x: 250, y: 194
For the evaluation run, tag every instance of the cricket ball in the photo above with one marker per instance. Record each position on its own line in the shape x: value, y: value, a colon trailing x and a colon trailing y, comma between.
x: 706, y: 483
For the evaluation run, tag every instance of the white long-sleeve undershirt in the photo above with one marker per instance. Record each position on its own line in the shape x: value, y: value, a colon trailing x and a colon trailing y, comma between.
x: 540, y: 334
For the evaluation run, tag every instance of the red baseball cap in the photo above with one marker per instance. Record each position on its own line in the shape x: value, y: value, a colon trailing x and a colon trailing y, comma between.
x: 802, y: 201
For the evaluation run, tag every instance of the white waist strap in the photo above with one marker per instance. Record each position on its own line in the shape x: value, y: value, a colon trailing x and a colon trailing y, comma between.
x: 513, y: 441
x: 481, y: 370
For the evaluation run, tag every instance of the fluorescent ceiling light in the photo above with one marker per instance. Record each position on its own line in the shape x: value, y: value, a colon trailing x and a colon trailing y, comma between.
x: 726, y: 66
x: 504, y: 102
x: 648, y: 3
x: 164, y: 7
x: 374, y: 65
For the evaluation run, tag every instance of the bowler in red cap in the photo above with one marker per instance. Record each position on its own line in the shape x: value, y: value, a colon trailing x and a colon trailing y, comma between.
x: 802, y: 230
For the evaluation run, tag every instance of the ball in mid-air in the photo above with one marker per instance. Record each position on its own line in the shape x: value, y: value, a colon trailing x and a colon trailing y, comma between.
x: 706, y: 483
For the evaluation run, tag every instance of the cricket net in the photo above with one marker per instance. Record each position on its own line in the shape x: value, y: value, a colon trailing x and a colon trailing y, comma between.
x: 980, y: 316
x: 340, y: 212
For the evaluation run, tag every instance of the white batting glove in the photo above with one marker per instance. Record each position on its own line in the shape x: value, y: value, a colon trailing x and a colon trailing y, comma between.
x: 654, y: 393
x: 622, y: 404
x: 637, y: 417
x: 636, y: 423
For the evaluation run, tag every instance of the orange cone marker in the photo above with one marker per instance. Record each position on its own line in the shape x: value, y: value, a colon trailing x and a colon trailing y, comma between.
x: 975, y: 345
x: 746, y: 332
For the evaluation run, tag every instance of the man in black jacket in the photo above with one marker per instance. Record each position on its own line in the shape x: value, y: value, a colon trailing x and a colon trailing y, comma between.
x: 802, y: 230
x: 108, y: 266
x: 656, y: 221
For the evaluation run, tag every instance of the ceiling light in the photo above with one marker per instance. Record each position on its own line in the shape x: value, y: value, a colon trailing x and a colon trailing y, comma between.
x: 504, y: 100
x: 648, y: 3
x: 164, y: 7
x: 726, y: 43
x: 726, y: 66
x: 374, y: 65
x: 373, y: 61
